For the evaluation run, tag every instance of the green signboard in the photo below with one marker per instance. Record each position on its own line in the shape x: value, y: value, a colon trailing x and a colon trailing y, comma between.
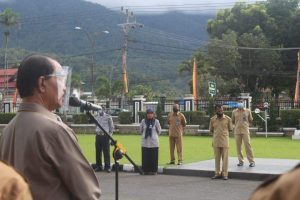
x: 212, y: 88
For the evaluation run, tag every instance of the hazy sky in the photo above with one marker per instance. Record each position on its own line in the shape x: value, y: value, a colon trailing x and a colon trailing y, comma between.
x: 168, y: 5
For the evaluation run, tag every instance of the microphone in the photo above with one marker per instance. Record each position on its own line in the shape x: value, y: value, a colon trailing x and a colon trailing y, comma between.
x: 76, y: 102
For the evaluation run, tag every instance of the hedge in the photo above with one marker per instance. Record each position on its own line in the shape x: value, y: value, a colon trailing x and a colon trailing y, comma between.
x: 125, y: 118
x: 6, y: 117
x: 289, y: 118
x: 80, y: 119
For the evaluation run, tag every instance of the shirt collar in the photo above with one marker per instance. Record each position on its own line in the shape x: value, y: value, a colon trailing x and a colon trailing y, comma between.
x: 34, y: 107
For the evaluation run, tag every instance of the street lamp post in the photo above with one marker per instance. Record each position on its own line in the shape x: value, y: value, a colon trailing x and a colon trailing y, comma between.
x: 92, y: 41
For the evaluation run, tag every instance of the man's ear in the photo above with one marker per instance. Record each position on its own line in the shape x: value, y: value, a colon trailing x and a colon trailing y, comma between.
x: 41, y: 84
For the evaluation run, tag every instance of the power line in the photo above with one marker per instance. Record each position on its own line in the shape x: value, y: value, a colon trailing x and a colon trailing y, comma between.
x: 154, y: 51
x: 184, y: 5
x: 161, y: 45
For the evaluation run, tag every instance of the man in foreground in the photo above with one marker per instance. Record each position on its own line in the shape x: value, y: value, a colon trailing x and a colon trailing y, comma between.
x: 220, y: 125
x: 38, y: 144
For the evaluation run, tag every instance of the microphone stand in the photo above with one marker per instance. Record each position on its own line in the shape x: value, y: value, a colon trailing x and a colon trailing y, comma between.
x: 118, y: 153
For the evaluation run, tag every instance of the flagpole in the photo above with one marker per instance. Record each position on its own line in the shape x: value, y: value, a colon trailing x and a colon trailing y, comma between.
x: 195, y: 83
x: 296, y: 97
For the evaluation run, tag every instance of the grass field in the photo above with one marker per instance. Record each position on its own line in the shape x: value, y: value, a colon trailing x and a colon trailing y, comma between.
x: 196, y: 148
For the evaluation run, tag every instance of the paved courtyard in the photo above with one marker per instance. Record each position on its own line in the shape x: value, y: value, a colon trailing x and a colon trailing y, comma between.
x: 133, y: 186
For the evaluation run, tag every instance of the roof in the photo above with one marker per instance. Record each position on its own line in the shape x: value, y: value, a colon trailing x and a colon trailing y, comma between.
x: 9, y: 72
x: 8, y: 75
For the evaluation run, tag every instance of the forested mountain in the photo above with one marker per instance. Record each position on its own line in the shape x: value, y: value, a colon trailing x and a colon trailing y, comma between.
x: 154, y: 51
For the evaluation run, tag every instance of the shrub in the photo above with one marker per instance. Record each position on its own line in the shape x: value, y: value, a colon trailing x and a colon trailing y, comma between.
x: 160, y: 114
x: 273, y: 115
x: 6, y: 117
x: 289, y: 118
x: 125, y: 118
x: 194, y: 117
x: 80, y: 119
x: 141, y: 115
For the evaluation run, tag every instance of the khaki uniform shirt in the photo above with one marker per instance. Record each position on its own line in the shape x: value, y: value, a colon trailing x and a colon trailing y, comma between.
x: 284, y: 187
x: 12, y: 185
x: 45, y: 151
x: 176, y: 123
x: 241, y: 120
x: 220, y: 128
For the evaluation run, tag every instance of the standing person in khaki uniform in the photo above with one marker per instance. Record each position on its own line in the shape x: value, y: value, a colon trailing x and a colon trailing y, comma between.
x: 12, y: 184
x: 177, y: 122
x: 283, y: 187
x: 38, y: 144
x: 242, y: 118
x: 220, y: 125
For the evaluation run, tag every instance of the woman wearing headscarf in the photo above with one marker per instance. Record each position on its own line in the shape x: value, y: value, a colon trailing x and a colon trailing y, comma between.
x: 150, y: 129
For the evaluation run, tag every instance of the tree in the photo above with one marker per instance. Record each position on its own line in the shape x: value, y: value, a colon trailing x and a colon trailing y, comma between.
x: 8, y: 19
x: 238, y: 51
x: 76, y: 81
x: 142, y: 90
x: 105, y: 88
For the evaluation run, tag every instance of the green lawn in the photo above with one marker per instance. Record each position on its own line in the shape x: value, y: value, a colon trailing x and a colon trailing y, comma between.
x: 196, y: 148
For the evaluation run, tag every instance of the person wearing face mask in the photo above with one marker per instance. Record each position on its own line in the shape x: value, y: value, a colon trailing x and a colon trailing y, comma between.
x: 38, y: 144
x: 220, y: 125
x: 177, y: 122
x: 150, y: 130
x: 242, y: 118
x: 102, y: 141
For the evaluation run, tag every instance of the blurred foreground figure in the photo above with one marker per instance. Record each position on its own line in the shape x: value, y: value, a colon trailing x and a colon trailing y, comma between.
x: 38, y: 144
x: 284, y: 187
x: 12, y: 185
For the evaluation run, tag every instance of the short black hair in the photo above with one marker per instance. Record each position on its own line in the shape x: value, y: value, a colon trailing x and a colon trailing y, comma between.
x: 31, y: 68
x: 218, y: 106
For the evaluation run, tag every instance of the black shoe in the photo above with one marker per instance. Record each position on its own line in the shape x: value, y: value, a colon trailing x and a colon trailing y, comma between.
x: 216, y: 177
x: 108, y: 170
x: 252, y: 164
x: 98, y: 169
x: 171, y: 163
x: 240, y: 164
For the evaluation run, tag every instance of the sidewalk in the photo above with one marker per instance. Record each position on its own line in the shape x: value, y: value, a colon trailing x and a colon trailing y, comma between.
x: 264, y: 168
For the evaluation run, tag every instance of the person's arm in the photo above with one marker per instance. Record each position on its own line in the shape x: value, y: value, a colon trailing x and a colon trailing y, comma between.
x: 110, y: 125
x: 233, y: 117
x: 183, y: 120
x: 250, y: 117
x: 72, y: 167
x: 230, y: 127
x: 141, y: 129
x: 158, y: 127
x: 211, y: 128
x: 168, y: 118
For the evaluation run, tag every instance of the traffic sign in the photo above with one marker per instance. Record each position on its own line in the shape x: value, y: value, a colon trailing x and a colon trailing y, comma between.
x: 212, y: 88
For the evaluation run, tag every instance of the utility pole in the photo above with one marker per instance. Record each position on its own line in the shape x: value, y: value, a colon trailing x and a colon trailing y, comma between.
x: 129, y: 24
x: 92, y: 41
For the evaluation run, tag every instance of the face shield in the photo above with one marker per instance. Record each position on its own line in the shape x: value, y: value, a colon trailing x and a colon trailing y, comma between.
x: 63, y: 78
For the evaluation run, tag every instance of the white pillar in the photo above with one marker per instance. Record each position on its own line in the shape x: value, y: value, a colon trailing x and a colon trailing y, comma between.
x: 188, y: 102
x: 247, y: 99
x: 138, y: 101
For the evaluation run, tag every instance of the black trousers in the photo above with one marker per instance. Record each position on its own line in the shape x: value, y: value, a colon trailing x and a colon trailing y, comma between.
x: 149, y: 159
x: 102, y: 145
